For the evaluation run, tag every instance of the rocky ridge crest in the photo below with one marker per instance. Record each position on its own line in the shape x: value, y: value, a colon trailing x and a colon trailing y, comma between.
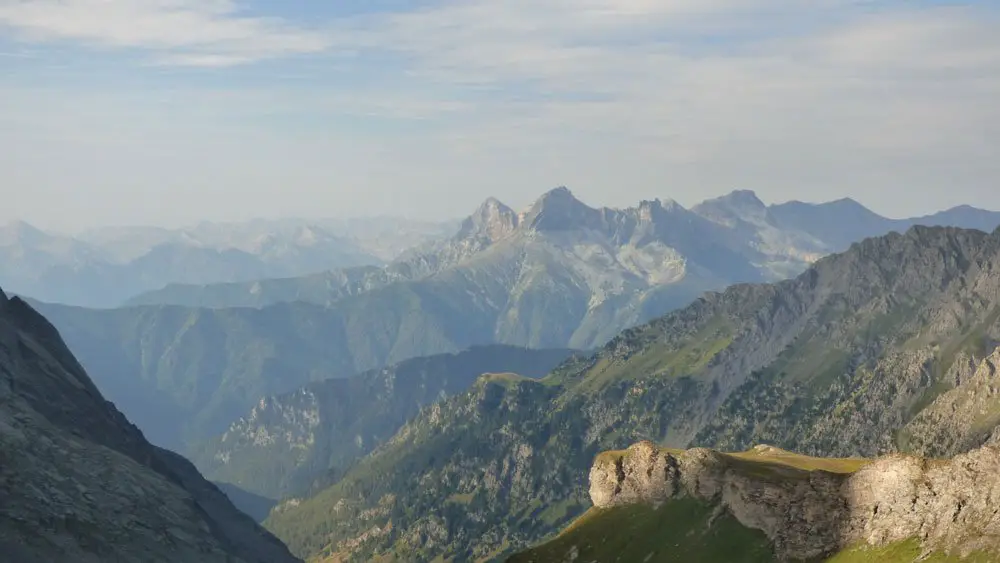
x: 947, y: 505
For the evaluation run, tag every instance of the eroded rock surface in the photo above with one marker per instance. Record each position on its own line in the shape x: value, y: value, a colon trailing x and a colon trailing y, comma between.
x: 948, y: 505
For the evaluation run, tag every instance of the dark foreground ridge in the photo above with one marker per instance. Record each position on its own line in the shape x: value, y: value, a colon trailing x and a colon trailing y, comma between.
x: 81, y: 484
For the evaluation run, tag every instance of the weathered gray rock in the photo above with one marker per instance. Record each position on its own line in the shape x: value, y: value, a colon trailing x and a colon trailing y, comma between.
x: 644, y: 474
x: 964, y: 417
x: 80, y: 484
x: 953, y: 506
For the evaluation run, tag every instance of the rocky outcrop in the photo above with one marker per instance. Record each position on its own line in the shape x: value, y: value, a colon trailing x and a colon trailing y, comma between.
x: 79, y: 483
x: 964, y: 417
x: 948, y: 505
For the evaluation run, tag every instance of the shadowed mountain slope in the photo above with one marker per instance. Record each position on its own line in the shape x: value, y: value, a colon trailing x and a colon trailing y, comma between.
x: 80, y: 483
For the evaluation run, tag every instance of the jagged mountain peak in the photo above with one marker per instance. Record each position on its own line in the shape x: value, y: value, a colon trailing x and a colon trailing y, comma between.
x: 492, y: 220
x: 559, y: 210
x: 492, y: 208
x: 557, y: 198
x: 491, y: 203
x: 3, y: 297
x: 659, y: 211
x: 648, y: 210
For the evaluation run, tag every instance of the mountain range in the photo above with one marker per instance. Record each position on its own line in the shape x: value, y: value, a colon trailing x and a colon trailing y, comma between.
x: 104, y: 267
x: 79, y: 483
x: 558, y: 275
x: 890, y: 346
x: 888, y: 349
x: 605, y: 254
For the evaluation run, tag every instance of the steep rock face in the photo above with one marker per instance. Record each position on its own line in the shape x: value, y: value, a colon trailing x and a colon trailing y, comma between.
x: 492, y: 222
x: 80, y: 483
x: 949, y: 506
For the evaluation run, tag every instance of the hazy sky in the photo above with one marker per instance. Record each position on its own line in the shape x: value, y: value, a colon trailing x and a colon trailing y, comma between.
x: 171, y: 111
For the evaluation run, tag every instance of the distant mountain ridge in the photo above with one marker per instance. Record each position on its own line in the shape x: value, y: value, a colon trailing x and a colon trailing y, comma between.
x: 556, y: 275
x: 732, y: 238
x: 104, y: 267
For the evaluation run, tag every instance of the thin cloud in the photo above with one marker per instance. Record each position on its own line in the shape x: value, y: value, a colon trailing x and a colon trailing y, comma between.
x: 652, y: 98
x: 198, y: 32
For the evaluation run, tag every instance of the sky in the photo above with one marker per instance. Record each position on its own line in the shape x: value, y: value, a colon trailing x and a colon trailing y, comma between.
x: 167, y: 112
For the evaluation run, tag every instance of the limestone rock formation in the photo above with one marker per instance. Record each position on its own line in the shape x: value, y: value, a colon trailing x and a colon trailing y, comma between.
x: 79, y: 483
x: 951, y: 506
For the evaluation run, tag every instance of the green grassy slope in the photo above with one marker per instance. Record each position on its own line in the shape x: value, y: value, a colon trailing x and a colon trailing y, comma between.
x: 688, y: 529
x: 679, y: 531
x: 685, y: 530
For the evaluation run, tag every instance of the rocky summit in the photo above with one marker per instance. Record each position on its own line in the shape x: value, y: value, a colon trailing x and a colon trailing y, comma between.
x: 80, y: 484
x: 813, y: 507
x: 767, y: 504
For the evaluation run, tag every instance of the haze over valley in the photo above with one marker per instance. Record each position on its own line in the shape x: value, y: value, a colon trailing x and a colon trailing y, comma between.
x: 515, y: 282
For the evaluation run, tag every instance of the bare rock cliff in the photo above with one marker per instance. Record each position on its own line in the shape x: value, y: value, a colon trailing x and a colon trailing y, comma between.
x: 952, y: 506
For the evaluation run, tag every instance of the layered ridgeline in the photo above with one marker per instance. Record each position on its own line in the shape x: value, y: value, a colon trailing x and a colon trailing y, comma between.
x: 184, y: 375
x: 607, y: 253
x: 105, y: 267
x: 287, y: 443
x: 769, y: 505
x: 79, y: 483
x: 559, y: 275
x: 889, y: 346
